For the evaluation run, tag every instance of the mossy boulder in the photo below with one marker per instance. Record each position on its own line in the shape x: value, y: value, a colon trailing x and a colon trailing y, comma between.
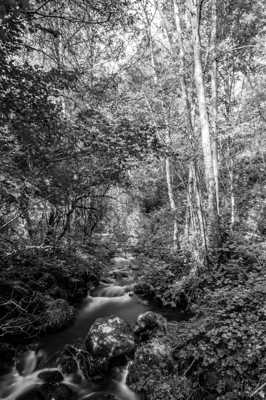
x: 150, y: 324
x: 110, y: 338
x: 152, y: 366
x: 58, y: 315
x: 109, y: 343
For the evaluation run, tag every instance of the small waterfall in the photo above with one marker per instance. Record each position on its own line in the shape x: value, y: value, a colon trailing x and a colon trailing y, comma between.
x: 125, y: 373
x: 29, y: 362
x: 122, y: 390
x: 99, y: 301
x: 21, y: 378
x: 114, y: 291
x: 108, y: 300
x: 15, y: 384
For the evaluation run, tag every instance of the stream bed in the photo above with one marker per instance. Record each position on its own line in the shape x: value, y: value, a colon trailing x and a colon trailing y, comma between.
x: 18, y: 385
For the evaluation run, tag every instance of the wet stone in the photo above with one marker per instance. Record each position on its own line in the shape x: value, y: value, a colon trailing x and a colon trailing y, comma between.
x: 33, y: 394
x: 150, y: 324
x: 52, y: 376
x: 153, y: 361
x: 110, y: 337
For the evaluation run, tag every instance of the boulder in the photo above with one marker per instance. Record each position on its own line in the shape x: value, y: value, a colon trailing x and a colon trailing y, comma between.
x: 110, y: 338
x: 109, y: 343
x: 149, y: 325
x: 7, y: 357
x: 152, y: 362
x: 51, y: 376
x: 58, y: 315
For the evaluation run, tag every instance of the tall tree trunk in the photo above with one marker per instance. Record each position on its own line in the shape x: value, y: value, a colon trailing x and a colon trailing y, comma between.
x: 184, y: 89
x: 171, y: 202
x: 214, y: 101
x: 194, y: 189
x: 212, y: 220
x: 232, y: 194
x: 199, y: 207
x: 171, y: 198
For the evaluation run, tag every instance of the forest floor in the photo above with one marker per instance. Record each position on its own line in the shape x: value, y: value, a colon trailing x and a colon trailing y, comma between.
x: 40, y: 291
x: 218, y: 350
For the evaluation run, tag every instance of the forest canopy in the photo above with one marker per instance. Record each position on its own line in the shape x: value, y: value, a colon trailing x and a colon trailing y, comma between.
x: 139, y: 126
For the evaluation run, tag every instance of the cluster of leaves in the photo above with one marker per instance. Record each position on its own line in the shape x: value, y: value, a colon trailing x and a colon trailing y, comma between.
x: 223, y: 354
x: 162, y: 277
x: 39, y: 284
x: 220, y: 353
x: 63, y: 163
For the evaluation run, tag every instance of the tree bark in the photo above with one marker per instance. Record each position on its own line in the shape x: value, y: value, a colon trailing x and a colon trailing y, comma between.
x: 194, y: 193
x: 212, y: 217
x: 214, y: 100
x: 232, y: 194
x: 184, y: 89
x: 171, y: 202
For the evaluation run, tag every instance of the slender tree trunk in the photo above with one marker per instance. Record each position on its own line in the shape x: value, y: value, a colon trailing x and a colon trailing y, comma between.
x: 232, y: 195
x: 184, y: 89
x: 167, y: 159
x: 194, y: 189
x: 212, y: 221
x: 199, y: 207
x: 214, y: 101
x: 191, y: 225
x: 171, y: 202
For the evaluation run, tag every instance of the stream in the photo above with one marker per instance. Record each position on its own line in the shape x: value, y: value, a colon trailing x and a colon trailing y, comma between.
x: 106, y: 301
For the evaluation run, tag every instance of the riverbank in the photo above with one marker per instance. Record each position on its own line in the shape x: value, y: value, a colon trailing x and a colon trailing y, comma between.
x: 214, y: 349
x: 71, y: 350
x: 219, y: 353
x: 40, y: 291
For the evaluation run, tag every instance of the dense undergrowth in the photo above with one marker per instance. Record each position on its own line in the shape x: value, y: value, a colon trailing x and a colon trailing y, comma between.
x: 220, y: 354
x: 40, y: 288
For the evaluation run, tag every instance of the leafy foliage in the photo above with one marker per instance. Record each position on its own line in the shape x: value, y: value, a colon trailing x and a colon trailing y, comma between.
x: 224, y: 352
x: 162, y: 277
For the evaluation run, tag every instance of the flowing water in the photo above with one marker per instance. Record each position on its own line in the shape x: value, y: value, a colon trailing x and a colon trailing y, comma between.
x: 21, y: 380
x: 107, y: 300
